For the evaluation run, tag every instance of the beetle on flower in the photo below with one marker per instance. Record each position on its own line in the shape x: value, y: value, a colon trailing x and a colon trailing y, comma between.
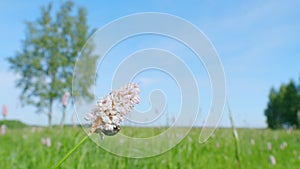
x: 111, y: 110
x: 108, y: 113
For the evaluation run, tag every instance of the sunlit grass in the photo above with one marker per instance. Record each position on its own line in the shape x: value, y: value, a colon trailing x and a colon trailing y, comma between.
x: 22, y: 148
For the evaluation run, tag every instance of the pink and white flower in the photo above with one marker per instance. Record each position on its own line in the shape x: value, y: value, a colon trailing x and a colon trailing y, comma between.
x: 111, y: 110
x: 272, y: 160
x: 65, y: 99
x: 269, y: 146
x: 3, y: 129
x: 4, y: 111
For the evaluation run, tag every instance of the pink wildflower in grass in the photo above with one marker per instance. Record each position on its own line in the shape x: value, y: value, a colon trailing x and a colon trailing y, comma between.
x: 39, y: 129
x: 3, y: 129
x: 43, y: 141
x: 48, y: 142
x: 283, y: 145
x: 33, y: 129
x: 269, y: 146
x: 65, y: 99
x: 252, y: 141
x: 272, y: 160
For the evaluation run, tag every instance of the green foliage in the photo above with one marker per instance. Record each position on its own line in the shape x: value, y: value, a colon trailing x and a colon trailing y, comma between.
x: 48, y: 56
x: 13, y: 123
x: 283, y: 106
x: 22, y: 149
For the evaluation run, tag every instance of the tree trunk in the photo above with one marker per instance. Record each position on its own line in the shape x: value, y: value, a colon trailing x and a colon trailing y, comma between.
x: 50, y: 114
x: 63, y: 117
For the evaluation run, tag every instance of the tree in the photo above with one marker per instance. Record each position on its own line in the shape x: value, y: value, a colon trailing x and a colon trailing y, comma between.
x: 48, y: 56
x: 283, y: 106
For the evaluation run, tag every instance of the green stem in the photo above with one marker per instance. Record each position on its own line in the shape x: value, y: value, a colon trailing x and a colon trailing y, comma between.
x: 71, y: 152
x: 236, y: 139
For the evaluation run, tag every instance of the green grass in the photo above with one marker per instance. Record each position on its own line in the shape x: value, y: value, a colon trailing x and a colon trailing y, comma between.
x: 12, y: 123
x: 22, y: 148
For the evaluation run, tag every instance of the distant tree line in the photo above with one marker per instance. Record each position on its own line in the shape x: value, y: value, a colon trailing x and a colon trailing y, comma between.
x: 283, y: 109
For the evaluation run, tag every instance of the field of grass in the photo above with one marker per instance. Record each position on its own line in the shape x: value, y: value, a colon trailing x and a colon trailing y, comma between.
x: 23, y: 148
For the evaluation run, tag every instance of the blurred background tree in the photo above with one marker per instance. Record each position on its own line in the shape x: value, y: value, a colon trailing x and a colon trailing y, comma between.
x: 283, y: 106
x: 48, y: 55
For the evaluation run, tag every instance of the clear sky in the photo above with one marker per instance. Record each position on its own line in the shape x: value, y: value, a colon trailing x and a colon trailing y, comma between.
x: 257, y: 42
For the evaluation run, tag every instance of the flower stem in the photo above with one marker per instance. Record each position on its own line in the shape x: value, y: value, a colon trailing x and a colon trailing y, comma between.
x: 71, y: 152
x: 236, y: 140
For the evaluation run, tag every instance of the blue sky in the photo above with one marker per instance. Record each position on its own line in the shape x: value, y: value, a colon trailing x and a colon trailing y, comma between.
x: 257, y: 42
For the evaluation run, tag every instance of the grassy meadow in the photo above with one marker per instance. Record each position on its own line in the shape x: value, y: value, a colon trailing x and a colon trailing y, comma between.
x: 23, y: 148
